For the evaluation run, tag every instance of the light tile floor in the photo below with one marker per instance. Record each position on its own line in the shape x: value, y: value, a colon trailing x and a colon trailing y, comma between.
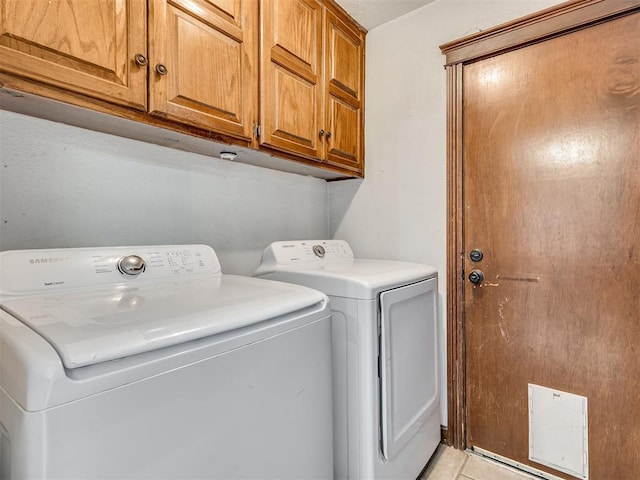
x: 451, y: 464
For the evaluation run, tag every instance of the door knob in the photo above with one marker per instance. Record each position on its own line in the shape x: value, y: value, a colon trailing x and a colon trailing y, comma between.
x: 140, y: 59
x: 476, y: 277
x: 476, y: 255
x: 161, y: 69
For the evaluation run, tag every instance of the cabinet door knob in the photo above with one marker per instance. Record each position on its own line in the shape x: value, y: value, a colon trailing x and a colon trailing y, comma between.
x: 328, y: 135
x: 140, y: 59
x: 321, y: 133
x: 161, y: 69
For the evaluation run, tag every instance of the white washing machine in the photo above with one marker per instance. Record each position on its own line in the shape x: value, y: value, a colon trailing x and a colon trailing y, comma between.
x: 148, y: 363
x: 386, y: 395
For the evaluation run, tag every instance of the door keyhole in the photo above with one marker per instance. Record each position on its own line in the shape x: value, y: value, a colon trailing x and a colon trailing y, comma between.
x: 476, y: 255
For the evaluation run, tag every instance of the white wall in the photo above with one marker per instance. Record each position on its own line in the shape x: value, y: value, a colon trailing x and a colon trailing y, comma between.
x: 63, y: 186
x: 399, y: 210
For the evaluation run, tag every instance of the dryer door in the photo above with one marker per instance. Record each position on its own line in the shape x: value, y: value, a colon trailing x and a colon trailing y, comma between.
x: 408, y: 365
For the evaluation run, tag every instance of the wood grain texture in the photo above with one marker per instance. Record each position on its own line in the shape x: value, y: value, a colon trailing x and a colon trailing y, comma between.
x: 296, y: 104
x: 551, y: 195
x: 80, y: 46
x: 312, y: 94
x: 295, y: 28
x: 344, y: 94
x: 210, y: 52
x: 455, y: 261
x: 291, y: 83
x: 344, y: 58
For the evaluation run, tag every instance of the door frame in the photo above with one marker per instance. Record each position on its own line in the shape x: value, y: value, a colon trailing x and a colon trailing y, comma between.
x: 534, y: 28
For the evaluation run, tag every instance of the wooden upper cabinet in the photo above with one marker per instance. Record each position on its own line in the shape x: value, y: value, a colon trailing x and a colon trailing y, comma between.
x: 208, y: 49
x: 291, y: 76
x: 208, y: 68
x: 80, y: 46
x: 344, y: 89
x: 312, y: 83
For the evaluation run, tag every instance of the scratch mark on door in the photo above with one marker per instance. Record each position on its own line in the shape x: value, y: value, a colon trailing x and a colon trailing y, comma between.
x: 503, y: 331
x: 523, y: 279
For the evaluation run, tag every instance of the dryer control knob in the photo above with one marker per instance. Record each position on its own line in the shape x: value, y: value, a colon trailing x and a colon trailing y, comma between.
x: 319, y: 250
x: 131, y: 265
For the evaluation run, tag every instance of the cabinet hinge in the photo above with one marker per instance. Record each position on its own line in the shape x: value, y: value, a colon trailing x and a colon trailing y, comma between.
x: 256, y: 130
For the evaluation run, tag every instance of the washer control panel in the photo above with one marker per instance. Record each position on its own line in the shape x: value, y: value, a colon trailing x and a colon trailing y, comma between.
x: 30, y: 271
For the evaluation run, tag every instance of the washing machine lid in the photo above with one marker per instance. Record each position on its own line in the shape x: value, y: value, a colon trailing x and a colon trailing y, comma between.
x: 91, y: 326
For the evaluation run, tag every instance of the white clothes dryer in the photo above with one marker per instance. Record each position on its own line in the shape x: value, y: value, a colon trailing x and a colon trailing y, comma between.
x: 149, y: 363
x: 386, y: 395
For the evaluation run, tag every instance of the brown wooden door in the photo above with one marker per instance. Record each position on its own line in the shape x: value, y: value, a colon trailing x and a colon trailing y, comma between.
x: 209, y: 49
x: 344, y: 90
x: 551, y: 195
x: 81, y: 46
x: 291, y: 82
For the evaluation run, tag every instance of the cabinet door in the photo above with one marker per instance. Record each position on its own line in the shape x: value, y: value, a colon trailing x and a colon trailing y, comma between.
x: 81, y: 46
x: 291, y: 78
x: 344, y: 73
x: 209, y: 50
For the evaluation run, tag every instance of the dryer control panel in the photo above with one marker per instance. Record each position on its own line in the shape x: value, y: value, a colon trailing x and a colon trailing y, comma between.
x: 303, y: 252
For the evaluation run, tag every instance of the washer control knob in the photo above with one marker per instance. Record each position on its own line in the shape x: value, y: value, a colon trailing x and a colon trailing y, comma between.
x: 131, y: 265
x: 319, y: 251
